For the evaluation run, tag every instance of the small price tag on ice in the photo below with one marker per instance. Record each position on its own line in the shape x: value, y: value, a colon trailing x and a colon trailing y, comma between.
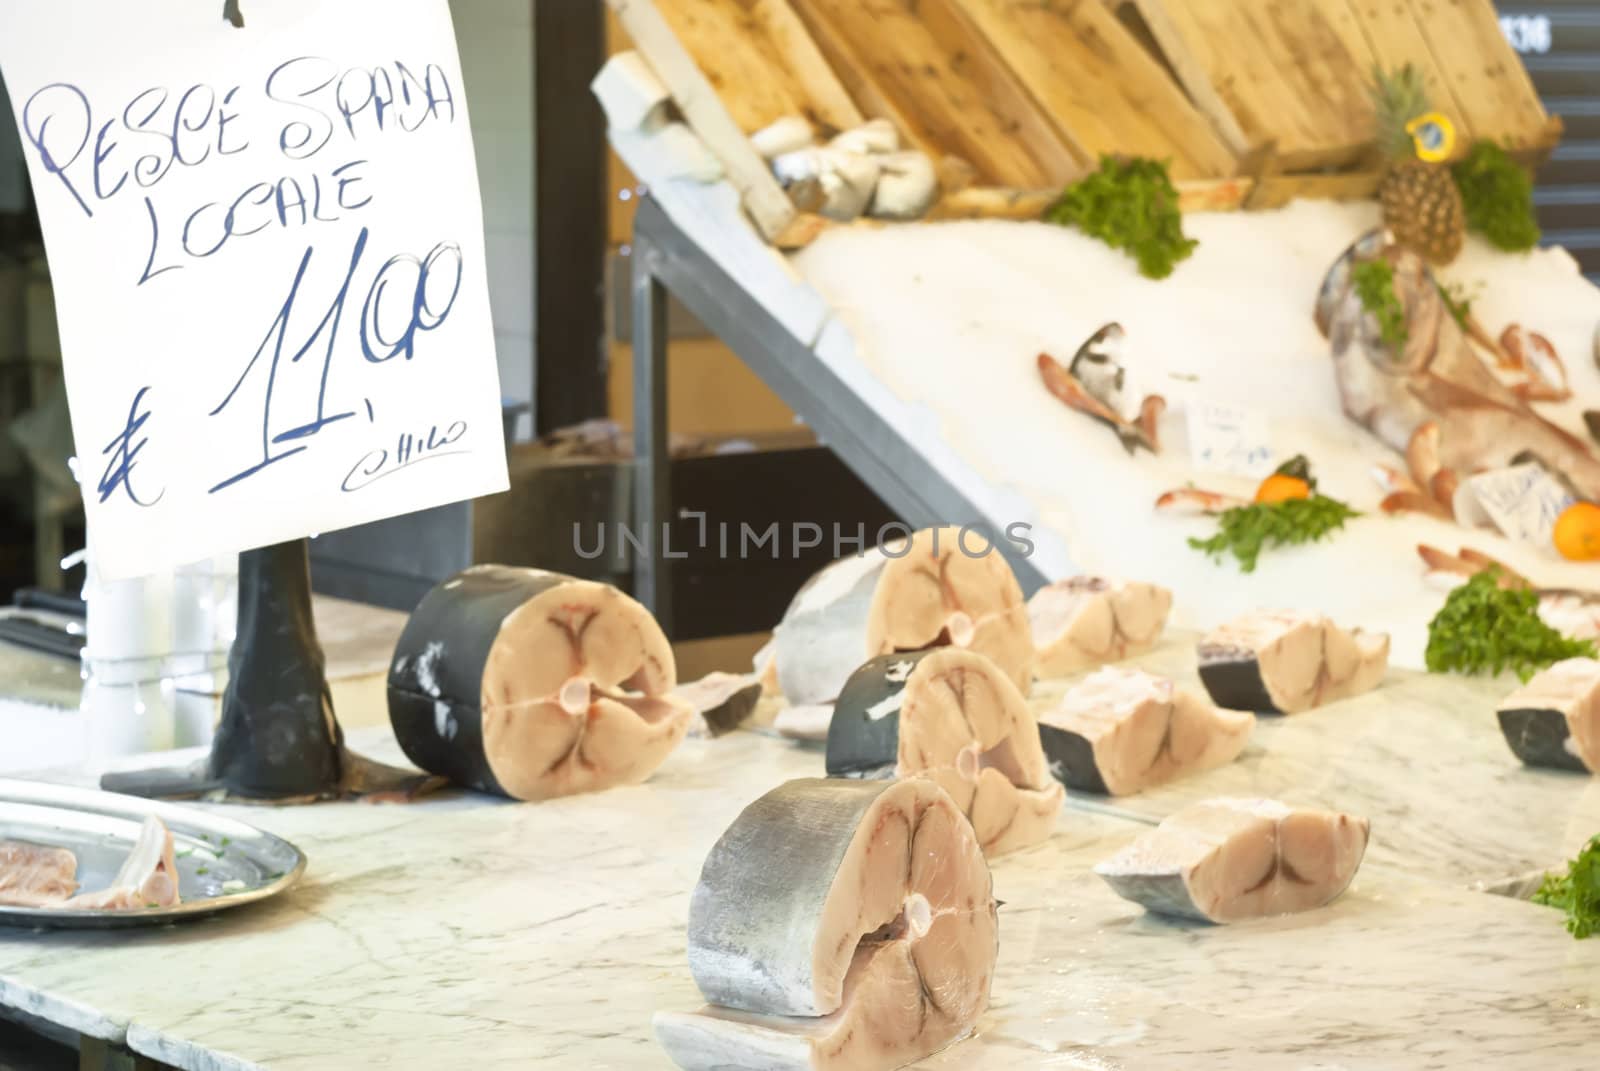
x: 1523, y: 502
x: 1223, y: 438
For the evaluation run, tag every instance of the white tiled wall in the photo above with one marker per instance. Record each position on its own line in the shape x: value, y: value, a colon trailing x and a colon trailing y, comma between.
x: 495, y: 38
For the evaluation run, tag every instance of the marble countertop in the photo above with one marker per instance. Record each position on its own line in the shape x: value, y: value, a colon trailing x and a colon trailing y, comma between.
x: 547, y: 934
x: 1422, y: 757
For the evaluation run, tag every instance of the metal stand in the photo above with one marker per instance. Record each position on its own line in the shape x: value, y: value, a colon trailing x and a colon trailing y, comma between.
x: 664, y: 259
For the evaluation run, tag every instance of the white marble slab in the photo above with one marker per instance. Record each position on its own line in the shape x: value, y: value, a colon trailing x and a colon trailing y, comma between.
x: 467, y: 931
x: 1422, y: 757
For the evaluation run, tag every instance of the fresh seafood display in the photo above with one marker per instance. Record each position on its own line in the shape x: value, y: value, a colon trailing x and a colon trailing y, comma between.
x: 1093, y: 383
x: 36, y: 875
x: 1120, y: 731
x: 1087, y: 621
x: 942, y: 587
x: 951, y: 716
x: 1225, y: 860
x: 837, y: 924
x: 534, y: 685
x: 1554, y: 719
x: 1432, y: 398
x: 1287, y: 661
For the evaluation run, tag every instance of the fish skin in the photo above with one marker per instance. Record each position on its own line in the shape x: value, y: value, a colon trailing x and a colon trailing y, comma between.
x: 1539, y: 737
x: 1233, y: 680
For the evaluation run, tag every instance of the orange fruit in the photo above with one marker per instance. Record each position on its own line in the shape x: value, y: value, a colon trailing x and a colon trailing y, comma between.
x: 1280, y: 488
x: 1577, y: 532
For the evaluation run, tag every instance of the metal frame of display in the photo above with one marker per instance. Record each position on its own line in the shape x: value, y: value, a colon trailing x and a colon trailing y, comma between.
x: 665, y: 259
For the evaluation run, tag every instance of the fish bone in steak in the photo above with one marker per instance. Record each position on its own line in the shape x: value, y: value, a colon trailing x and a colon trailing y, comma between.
x: 1225, y: 860
x: 534, y: 685
x: 1087, y: 621
x: 838, y: 925
x: 930, y: 590
x: 1554, y: 719
x: 36, y: 875
x: 147, y: 878
x: 1120, y: 731
x: 953, y: 716
x: 1287, y: 661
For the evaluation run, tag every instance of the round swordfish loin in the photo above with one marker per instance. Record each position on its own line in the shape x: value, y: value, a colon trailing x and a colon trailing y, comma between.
x: 534, y: 685
x: 838, y: 925
x: 1087, y: 621
x: 1287, y: 661
x: 1120, y: 731
x: 1554, y: 719
x: 1225, y: 860
x: 932, y: 590
x: 952, y: 716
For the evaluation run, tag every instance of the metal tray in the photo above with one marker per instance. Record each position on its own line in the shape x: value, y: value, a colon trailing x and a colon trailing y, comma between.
x: 221, y: 863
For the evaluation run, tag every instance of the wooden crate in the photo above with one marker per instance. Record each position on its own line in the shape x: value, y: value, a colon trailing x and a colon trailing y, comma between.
x: 1296, y: 74
x: 1099, y: 84
x: 921, y: 64
x: 761, y: 61
x: 1287, y: 73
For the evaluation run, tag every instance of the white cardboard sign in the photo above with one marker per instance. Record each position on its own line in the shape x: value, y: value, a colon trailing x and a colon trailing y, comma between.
x: 1523, y: 502
x: 1226, y: 439
x: 267, y: 251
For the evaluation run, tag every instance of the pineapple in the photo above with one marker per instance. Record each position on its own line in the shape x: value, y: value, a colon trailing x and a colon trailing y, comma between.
x: 1421, y: 204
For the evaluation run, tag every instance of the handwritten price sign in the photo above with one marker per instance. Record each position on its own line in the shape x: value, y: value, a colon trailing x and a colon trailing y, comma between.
x: 267, y: 251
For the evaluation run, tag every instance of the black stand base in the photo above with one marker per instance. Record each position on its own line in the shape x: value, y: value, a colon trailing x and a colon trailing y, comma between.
x: 278, y: 740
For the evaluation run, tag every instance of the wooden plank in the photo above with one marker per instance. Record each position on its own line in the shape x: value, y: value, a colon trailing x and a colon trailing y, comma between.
x: 1189, y: 56
x: 762, y: 62
x: 921, y: 64
x: 766, y: 202
x: 1292, y: 71
x: 1396, y: 38
x: 1098, y: 84
x: 1484, y: 73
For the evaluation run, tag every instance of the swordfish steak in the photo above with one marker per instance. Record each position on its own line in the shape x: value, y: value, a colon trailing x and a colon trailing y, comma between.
x: 35, y: 875
x: 934, y: 589
x: 838, y: 925
x: 1225, y: 860
x: 1088, y: 621
x: 1287, y: 661
x: 1120, y: 731
x: 534, y: 685
x: 953, y: 716
x: 1554, y: 719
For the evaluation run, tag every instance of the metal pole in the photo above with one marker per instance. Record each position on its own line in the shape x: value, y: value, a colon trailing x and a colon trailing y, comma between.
x: 652, y: 490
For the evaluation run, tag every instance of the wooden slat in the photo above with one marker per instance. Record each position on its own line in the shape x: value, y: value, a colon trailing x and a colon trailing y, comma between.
x: 1485, y: 75
x: 761, y: 61
x: 1293, y: 71
x: 1396, y: 39
x: 920, y: 63
x: 1098, y: 84
x: 766, y: 202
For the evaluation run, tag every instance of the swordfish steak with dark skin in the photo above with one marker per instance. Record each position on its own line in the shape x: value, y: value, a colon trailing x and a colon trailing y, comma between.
x: 1287, y: 661
x: 952, y: 716
x: 1554, y: 719
x: 1120, y: 731
x: 1226, y: 860
x: 534, y: 685
x: 838, y: 925
x: 935, y: 589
